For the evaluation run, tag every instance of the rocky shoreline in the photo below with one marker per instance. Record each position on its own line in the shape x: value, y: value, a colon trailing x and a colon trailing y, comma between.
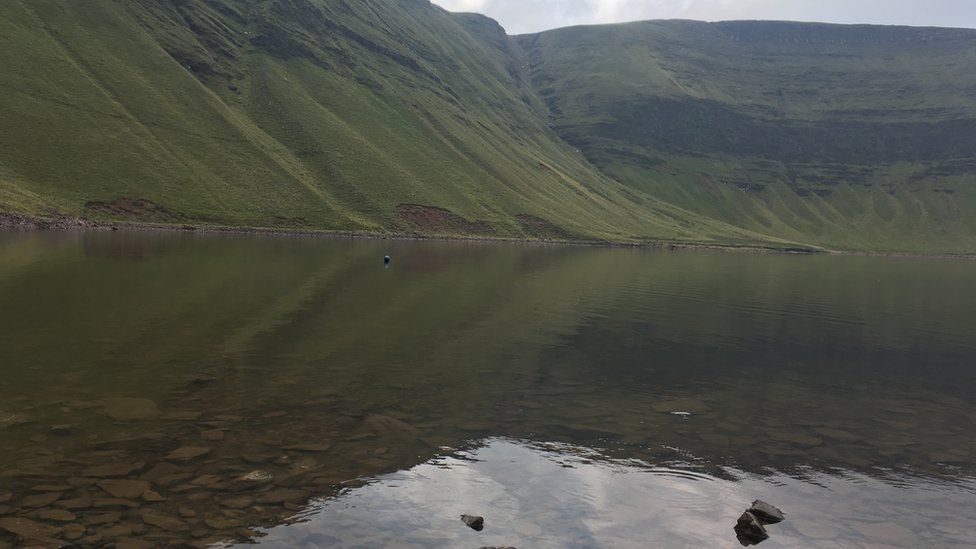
x: 21, y: 222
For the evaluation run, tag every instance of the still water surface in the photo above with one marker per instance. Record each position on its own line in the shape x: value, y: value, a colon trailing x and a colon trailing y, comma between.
x: 297, y: 393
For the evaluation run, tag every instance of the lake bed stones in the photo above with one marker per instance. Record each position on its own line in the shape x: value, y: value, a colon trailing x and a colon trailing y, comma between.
x: 124, y: 488
x: 187, y: 453
x: 130, y: 409
x: 31, y: 532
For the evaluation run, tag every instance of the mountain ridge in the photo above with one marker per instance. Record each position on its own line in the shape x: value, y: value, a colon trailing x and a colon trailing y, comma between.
x: 384, y: 116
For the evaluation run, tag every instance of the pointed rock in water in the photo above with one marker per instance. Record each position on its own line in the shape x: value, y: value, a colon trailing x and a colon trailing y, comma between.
x: 766, y: 513
x: 749, y: 531
x: 474, y: 522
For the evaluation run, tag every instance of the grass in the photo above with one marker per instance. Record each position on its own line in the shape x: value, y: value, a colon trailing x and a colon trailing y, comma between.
x: 849, y: 137
x: 330, y: 115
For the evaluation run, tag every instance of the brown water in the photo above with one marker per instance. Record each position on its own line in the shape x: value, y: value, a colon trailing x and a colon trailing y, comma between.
x: 294, y: 392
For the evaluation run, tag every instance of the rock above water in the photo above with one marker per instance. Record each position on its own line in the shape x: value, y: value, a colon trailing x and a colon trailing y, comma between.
x: 749, y: 531
x: 766, y: 513
x: 130, y: 409
x: 474, y: 522
x: 126, y: 489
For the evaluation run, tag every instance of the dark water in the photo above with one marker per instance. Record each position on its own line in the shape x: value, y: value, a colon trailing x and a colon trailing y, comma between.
x: 294, y: 392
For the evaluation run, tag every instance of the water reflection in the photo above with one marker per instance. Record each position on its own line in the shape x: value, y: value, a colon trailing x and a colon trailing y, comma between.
x: 557, y: 495
x: 236, y: 378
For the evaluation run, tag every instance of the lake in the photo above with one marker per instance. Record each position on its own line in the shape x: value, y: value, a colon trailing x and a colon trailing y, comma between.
x: 297, y: 392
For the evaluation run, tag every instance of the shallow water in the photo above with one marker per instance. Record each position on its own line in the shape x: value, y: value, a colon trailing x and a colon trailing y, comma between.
x: 296, y: 392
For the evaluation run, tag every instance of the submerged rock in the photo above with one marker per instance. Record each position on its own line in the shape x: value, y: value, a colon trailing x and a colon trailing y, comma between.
x: 222, y: 523
x: 130, y: 409
x: 283, y: 495
x: 73, y: 531
x: 152, y: 497
x: 323, y: 447
x: 187, y: 453
x: 30, y: 531
x: 474, y: 522
x: 165, y: 522
x: 113, y: 470
x: 12, y: 420
x: 56, y: 515
x: 749, y: 531
x: 766, y: 513
x: 215, y: 434
x: 386, y: 426
x: 124, y: 488
x: 42, y: 500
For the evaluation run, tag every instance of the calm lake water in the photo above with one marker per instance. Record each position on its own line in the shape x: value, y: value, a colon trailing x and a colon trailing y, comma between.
x: 297, y: 393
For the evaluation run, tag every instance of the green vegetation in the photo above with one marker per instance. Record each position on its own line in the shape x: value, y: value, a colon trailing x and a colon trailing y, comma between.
x: 857, y: 137
x: 303, y: 114
x: 397, y: 116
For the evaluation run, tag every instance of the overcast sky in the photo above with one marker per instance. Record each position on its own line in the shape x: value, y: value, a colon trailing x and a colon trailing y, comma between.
x: 521, y: 16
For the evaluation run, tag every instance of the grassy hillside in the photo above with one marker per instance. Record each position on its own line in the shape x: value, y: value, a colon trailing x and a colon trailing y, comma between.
x: 383, y: 115
x: 858, y: 137
x: 397, y: 116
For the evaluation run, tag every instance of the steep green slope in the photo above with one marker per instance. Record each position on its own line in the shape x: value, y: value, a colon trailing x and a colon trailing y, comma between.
x: 858, y: 137
x: 384, y: 115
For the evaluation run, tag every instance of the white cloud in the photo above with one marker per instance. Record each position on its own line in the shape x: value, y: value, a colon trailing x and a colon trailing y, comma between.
x: 533, y: 15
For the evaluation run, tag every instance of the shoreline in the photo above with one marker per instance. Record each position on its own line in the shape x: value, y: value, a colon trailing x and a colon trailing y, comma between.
x: 22, y: 222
